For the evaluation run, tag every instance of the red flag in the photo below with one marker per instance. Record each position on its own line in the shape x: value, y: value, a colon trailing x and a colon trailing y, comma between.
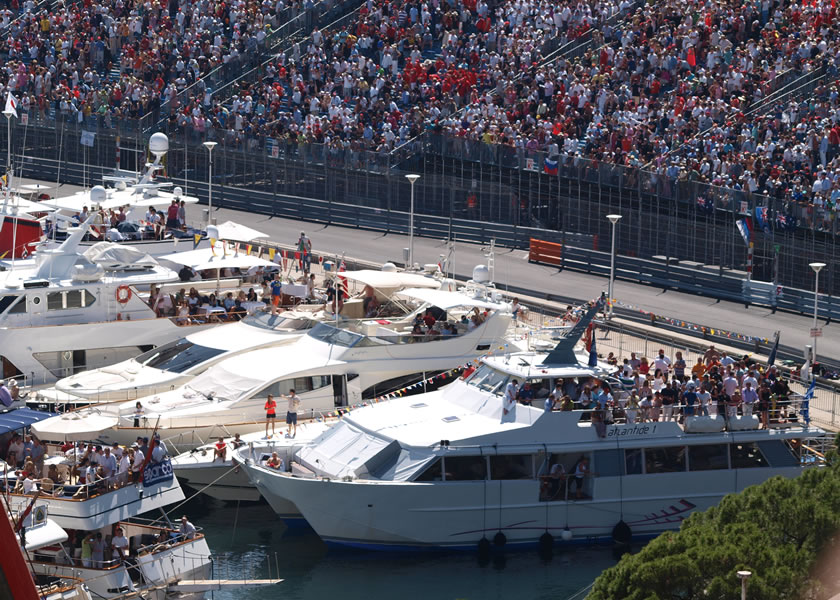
x: 692, y: 60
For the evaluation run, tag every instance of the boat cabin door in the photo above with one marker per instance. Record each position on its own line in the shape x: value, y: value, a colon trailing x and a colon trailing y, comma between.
x: 339, y: 383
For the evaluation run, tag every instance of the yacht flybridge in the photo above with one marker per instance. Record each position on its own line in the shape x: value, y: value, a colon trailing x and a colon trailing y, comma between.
x: 332, y: 366
x: 458, y: 467
x: 177, y: 362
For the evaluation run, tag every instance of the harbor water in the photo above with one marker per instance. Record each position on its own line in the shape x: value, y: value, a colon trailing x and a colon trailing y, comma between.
x: 243, y: 539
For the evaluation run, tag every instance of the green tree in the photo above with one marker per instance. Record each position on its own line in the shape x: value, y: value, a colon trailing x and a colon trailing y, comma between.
x: 779, y: 530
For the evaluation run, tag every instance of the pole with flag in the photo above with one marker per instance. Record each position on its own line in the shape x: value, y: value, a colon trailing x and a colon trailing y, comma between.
x: 771, y: 360
x: 593, y: 353
x: 805, y: 407
x: 9, y: 112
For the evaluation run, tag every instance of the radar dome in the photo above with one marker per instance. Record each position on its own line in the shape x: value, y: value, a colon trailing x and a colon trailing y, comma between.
x: 158, y: 144
x: 98, y: 194
x: 177, y: 192
x: 389, y: 267
x: 481, y: 274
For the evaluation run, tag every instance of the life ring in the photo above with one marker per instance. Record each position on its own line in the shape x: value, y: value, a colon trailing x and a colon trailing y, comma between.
x: 123, y: 294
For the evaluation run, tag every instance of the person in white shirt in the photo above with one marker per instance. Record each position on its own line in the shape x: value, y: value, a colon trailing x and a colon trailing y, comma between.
x: 109, y: 464
x: 187, y: 529
x: 122, y: 469
x: 136, y: 464
x: 730, y: 384
x: 119, y: 545
x: 29, y: 484
x: 509, y: 402
x: 705, y: 399
x: 661, y: 362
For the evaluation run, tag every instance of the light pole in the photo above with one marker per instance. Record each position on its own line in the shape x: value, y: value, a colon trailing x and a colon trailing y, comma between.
x: 210, y: 146
x: 411, y: 178
x: 613, y: 220
x: 8, y: 114
x: 743, y: 576
x: 817, y: 267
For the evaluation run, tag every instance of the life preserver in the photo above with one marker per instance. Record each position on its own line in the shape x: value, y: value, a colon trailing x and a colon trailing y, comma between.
x: 123, y: 294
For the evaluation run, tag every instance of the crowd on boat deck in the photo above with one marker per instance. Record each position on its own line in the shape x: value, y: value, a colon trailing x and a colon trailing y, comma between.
x: 667, y: 389
x: 79, y: 470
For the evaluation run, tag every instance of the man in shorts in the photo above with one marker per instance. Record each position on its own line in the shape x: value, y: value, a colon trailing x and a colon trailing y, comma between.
x: 291, y: 414
x: 276, y: 292
x: 270, y: 414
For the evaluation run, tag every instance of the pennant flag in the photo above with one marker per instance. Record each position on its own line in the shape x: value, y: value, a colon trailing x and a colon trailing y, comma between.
x: 771, y: 360
x: 805, y: 407
x: 2, y: 256
x: 213, y: 246
x: 691, y: 57
x: 248, y: 250
x: 593, y: 354
x: 271, y: 252
x: 11, y: 104
x: 762, y: 218
x: 550, y: 166
x: 745, y: 229
x: 196, y: 240
x: 260, y: 252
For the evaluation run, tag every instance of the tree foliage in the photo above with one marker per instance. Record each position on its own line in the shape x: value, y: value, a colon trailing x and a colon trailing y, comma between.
x: 782, y: 530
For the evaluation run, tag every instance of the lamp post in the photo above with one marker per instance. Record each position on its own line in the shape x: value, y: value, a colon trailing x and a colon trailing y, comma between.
x: 817, y: 267
x: 411, y: 178
x: 8, y: 114
x: 613, y: 220
x: 743, y: 576
x: 210, y: 146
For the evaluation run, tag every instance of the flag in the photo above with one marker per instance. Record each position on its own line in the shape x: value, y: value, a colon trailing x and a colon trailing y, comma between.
x: 271, y: 253
x: 745, y: 229
x: 771, y: 360
x: 196, y: 240
x: 762, y: 218
x: 805, y: 407
x: 550, y: 166
x: 2, y: 256
x: 11, y: 104
x: 248, y: 250
x: 593, y: 354
x: 87, y: 138
x: 213, y: 246
x: 691, y: 58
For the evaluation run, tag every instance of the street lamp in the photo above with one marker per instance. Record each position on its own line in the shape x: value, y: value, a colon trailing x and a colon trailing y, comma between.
x: 613, y: 220
x: 9, y: 114
x: 210, y: 146
x: 743, y: 576
x: 817, y: 267
x: 411, y: 178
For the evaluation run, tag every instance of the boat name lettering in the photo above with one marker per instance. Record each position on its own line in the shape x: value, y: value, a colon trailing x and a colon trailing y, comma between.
x: 619, y: 431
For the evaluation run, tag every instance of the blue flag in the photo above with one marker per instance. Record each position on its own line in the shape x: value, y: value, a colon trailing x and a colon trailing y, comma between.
x: 804, y: 409
x: 593, y: 355
x: 771, y: 360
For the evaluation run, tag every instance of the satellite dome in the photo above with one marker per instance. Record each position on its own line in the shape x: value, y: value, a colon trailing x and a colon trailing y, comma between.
x: 98, y: 195
x: 177, y: 192
x: 158, y: 144
x: 481, y: 274
x: 389, y: 267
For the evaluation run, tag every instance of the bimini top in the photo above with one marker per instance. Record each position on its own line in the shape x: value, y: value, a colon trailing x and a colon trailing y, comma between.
x: 448, y: 300
x: 21, y: 417
x: 216, y: 258
x: 387, y: 279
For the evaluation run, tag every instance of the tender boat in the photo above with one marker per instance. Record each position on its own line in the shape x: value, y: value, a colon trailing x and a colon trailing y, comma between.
x: 451, y: 469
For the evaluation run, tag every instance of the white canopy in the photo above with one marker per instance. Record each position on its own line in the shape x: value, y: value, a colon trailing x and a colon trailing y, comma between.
x: 138, y: 195
x: 446, y: 300
x: 110, y: 254
x: 73, y: 426
x: 204, y: 258
x: 386, y: 279
x: 234, y: 231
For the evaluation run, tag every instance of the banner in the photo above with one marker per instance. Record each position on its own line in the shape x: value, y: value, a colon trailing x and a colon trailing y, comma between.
x: 87, y: 138
x: 155, y: 473
x: 743, y: 226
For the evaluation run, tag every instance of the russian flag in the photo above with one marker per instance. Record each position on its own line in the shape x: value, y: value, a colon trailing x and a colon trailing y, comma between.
x: 550, y: 166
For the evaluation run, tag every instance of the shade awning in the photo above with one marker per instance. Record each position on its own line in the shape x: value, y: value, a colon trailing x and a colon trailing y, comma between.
x: 216, y: 258
x: 234, y: 231
x: 21, y: 417
x: 446, y: 300
x: 73, y: 426
x: 388, y: 279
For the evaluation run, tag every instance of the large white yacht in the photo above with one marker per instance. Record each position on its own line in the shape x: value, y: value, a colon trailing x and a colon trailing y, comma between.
x: 458, y: 467
x: 330, y: 367
x: 177, y: 362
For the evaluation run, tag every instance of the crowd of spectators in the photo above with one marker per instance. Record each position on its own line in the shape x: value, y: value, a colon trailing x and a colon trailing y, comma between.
x: 675, y: 87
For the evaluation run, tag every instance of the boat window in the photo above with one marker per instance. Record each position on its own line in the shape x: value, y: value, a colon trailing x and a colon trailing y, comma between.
x: 489, y: 379
x: 465, y: 468
x: 512, y: 466
x: 665, y: 460
x: 88, y: 299
x: 633, y: 461
x: 779, y: 454
x: 432, y: 473
x: 73, y: 299
x: 6, y: 302
x: 55, y: 301
x: 333, y: 335
x: 708, y: 458
x: 540, y: 387
x: 607, y: 463
x: 746, y: 456
x: 177, y: 356
x: 398, y: 383
x: 18, y: 307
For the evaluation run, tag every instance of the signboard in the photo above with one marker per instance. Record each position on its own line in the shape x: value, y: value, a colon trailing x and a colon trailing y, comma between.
x: 24, y: 119
x: 745, y: 208
x: 815, y: 333
x: 155, y: 473
x: 530, y: 165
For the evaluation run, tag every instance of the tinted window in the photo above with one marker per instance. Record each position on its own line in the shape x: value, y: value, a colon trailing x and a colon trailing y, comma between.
x: 6, y: 302
x: 465, y: 468
x: 745, y: 456
x: 332, y: 335
x: 708, y: 458
x: 55, y: 301
x: 177, y: 356
x: 513, y: 466
x: 88, y: 298
x: 665, y: 460
x: 432, y: 473
x: 633, y: 461
x: 74, y: 299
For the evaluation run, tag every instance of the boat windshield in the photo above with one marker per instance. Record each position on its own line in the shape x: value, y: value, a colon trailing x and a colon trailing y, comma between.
x: 178, y: 356
x: 272, y: 322
x: 489, y: 379
x: 333, y: 335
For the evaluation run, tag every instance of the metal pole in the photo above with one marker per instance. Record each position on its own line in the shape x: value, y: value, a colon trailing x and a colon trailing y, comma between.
x: 817, y: 267
x: 412, y: 178
x: 613, y: 221
x: 210, y: 146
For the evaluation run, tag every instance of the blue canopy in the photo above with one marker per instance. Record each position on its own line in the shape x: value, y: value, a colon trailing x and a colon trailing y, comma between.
x: 20, y: 418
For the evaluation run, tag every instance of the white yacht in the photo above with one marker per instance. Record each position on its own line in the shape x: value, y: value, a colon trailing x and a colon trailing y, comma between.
x: 452, y: 469
x: 175, y: 363
x: 51, y: 304
x: 330, y: 367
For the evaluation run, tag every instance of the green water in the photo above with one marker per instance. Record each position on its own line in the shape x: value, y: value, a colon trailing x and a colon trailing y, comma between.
x: 314, y: 572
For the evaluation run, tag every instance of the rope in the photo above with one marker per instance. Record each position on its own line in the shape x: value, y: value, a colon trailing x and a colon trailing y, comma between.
x: 580, y: 591
x: 180, y: 504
